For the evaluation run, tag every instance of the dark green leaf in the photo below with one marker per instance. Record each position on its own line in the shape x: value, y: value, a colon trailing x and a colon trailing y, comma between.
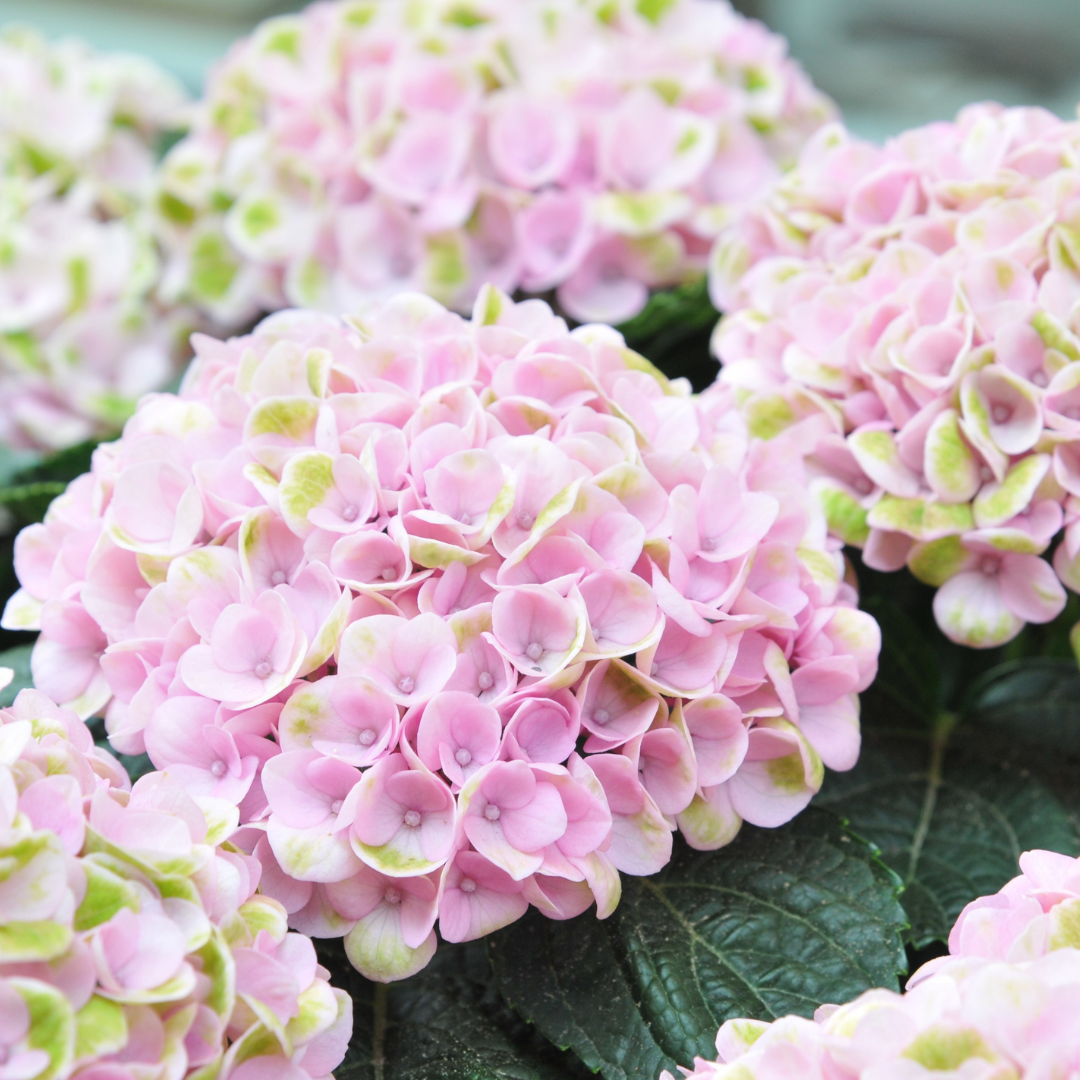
x: 1027, y: 715
x: 952, y: 797
x: 18, y: 659
x: 673, y: 331
x: 780, y: 921
x: 26, y: 491
x: 446, y: 1023
x: 27, y: 503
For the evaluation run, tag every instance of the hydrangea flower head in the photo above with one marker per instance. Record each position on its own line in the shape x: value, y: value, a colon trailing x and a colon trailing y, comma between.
x: 923, y: 297
x: 135, y: 941
x: 362, y: 149
x: 1002, y: 1006
x: 81, y: 337
x: 461, y: 615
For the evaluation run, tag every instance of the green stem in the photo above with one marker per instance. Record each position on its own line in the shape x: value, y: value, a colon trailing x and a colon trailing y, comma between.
x: 939, y: 741
x: 378, y: 1035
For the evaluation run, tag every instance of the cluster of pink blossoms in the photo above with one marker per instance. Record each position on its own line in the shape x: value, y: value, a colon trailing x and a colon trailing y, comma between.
x: 362, y: 149
x: 462, y: 615
x: 134, y: 943
x: 1003, y: 1006
x: 81, y: 336
x: 924, y: 296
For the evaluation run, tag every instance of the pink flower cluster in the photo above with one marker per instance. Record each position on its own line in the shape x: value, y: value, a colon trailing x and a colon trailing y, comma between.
x: 462, y: 615
x: 924, y: 297
x: 1037, y: 912
x: 134, y: 943
x: 81, y: 336
x: 1003, y: 1006
x: 362, y: 149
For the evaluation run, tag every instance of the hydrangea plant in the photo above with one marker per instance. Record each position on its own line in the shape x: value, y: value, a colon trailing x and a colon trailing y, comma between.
x: 1002, y: 1006
x: 363, y: 148
x: 133, y: 941
x: 465, y: 615
x: 923, y: 297
x: 81, y: 336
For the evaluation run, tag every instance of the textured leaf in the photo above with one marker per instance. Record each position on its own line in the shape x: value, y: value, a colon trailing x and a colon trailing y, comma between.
x: 446, y: 1023
x: 952, y: 797
x: 673, y: 331
x: 780, y: 921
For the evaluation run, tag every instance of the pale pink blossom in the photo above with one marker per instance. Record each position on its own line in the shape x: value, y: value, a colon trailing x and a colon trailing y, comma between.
x: 423, y: 171
x: 85, y: 333
x: 911, y: 308
x: 142, y: 900
x: 498, y: 609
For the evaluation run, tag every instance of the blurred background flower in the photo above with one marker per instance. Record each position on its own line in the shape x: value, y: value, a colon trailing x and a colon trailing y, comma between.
x: 890, y: 64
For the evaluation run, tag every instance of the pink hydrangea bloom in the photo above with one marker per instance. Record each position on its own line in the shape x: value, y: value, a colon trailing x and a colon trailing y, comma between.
x: 922, y: 296
x: 1002, y: 1005
x: 1037, y: 912
x: 461, y: 615
x: 81, y: 334
x: 362, y: 149
x: 136, y: 942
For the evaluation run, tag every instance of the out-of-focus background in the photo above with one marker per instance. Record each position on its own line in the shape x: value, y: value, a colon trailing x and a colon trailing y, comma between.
x: 890, y: 64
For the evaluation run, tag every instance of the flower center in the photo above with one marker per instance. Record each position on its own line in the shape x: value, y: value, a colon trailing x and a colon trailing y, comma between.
x: 990, y: 566
x: 465, y: 519
x: 491, y: 812
x: 708, y: 543
x: 986, y: 474
x: 601, y: 716
x: 463, y: 757
x: 218, y: 768
x: 406, y: 684
x: 392, y: 895
x: 467, y: 885
x: 335, y: 806
x: 863, y: 486
x: 278, y: 577
x: 534, y: 651
x: 484, y: 680
x: 412, y: 818
x: 655, y: 669
x: 263, y: 670
x: 350, y: 513
x: 525, y: 519
x: 366, y: 737
x: 389, y: 574
x: 1002, y: 414
x: 1039, y: 378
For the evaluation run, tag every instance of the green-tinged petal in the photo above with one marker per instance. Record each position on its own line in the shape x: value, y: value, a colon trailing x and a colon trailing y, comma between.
x: 997, y: 502
x: 710, y: 823
x: 879, y: 457
x: 920, y: 518
x: 52, y: 1025
x: 949, y: 464
x: 938, y: 560
x: 218, y: 966
x: 375, y: 948
x: 640, y: 213
x: 305, y: 481
x: 23, y: 942
x: 100, y: 1029
x: 943, y: 1048
x: 318, y: 1011
x: 106, y: 894
x: 844, y: 513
